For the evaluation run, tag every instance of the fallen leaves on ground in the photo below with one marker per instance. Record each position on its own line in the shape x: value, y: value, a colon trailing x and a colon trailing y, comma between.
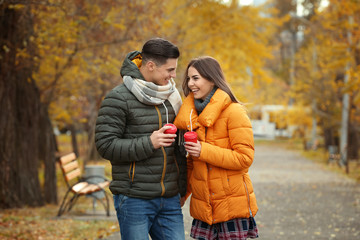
x: 41, y: 223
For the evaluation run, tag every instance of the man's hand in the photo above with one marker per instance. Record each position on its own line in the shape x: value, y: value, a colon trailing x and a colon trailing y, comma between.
x: 194, y: 149
x: 160, y: 139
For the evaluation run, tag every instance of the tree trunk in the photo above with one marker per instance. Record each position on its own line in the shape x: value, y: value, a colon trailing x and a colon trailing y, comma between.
x: 74, y: 142
x: 20, y: 105
x: 92, y: 153
x: 353, y: 149
x: 47, y: 150
x: 26, y: 132
x: 330, y: 138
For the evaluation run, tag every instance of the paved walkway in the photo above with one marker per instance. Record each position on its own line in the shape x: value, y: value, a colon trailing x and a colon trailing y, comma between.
x: 299, y: 199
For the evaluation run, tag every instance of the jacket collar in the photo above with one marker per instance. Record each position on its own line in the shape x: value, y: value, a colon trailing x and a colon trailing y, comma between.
x: 211, y: 112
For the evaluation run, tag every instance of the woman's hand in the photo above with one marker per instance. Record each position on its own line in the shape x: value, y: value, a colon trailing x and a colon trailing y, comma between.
x: 194, y: 149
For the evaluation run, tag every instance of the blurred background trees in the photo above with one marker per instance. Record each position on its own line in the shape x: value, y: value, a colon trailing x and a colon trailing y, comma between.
x: 60, y: 58
x: 327, y: 70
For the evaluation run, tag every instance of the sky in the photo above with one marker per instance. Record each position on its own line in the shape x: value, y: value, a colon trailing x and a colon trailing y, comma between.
x: 246, y: 2
x: 323, y: 4
x: 300, y: 9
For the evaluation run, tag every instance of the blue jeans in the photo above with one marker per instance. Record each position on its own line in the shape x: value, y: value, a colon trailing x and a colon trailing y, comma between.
x: 162, y: 218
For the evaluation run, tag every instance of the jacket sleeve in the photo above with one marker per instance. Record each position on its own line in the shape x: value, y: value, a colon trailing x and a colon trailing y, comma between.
x: 241, y: 154
x: 109, y: 130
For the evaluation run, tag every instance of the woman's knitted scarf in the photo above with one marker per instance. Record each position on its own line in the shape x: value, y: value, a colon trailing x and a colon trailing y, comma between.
x: 201, y: 104
x: 151, y: 94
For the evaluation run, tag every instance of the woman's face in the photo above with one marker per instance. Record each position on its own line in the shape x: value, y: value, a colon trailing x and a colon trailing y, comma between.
x: 198, y: 85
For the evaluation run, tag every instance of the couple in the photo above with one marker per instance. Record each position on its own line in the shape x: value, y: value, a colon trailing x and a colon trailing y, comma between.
x: 151, y: 176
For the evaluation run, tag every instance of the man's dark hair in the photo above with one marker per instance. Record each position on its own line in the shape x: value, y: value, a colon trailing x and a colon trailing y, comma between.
x: 159, y: 51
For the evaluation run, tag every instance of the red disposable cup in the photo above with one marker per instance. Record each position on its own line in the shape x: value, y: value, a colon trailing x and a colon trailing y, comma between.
x: 171, y: 130
x: 190, y: 137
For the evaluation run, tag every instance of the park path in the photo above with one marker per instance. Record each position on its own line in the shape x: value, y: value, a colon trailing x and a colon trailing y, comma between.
x: 298, y: 199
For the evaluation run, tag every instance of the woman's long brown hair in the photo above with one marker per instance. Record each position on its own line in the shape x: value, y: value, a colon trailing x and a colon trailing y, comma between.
x: 209, y: 68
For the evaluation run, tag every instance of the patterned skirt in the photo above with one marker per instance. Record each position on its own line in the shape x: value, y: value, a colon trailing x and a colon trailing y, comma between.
x: 238, y: 228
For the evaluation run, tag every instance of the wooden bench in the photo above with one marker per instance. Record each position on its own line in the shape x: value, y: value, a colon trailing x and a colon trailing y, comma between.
x: 79, y: 185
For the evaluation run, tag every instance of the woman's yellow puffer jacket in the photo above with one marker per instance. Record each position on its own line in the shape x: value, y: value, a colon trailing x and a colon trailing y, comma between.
x: 218, y: 180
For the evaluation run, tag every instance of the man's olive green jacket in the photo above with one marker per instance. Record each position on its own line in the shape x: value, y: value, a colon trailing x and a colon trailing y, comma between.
x: 122, y: 135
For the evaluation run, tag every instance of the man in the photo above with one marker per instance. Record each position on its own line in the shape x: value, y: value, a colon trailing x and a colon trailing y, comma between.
x: 148, y: 179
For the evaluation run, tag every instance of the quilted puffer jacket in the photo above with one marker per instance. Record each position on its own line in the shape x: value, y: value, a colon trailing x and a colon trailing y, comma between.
x: 122, y: 135
x: 218, y: 180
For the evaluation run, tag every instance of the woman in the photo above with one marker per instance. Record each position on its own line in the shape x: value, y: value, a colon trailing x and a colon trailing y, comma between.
x: 223, y: 202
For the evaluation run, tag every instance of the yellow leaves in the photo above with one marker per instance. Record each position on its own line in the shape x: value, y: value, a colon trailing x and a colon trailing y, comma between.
x: 21, y: 54
x: 100, y: 81
x: 107, y: 20
x: 83, y: 120
x: 59, y: 114
x: 75, y: 61
x: 6, y: 49
x: 237, y: 36
x: 119, y: 26
x: 16, y: 6
x: 299, y: 115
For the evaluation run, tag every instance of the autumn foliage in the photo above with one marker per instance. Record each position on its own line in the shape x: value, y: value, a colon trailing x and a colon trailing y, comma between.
x: 75, y: 48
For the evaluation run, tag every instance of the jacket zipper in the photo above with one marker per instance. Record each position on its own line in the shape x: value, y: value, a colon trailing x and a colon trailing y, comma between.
x: 165, y: 157
x: 207, y: 166
x: 132, y: 172
x: 248, y: 197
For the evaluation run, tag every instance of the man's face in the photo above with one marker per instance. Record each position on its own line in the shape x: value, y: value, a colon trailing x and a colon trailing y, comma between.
x: 161, y: 75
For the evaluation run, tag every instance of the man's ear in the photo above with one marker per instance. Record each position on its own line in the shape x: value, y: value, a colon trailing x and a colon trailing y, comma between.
x: 150, y: 65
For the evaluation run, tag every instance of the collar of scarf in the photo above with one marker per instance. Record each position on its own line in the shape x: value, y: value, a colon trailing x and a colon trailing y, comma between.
x: 201, y: 104
x: 151, y: 94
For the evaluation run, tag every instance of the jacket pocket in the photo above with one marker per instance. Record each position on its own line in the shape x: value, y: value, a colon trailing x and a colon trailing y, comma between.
x: 225, y: 182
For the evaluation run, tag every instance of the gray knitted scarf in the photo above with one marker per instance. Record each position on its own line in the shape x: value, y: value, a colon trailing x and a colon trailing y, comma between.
x: 201, y: 104
x: 151, y: 94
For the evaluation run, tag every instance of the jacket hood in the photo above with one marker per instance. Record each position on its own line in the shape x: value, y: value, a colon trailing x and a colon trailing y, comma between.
x: 131, y: 65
